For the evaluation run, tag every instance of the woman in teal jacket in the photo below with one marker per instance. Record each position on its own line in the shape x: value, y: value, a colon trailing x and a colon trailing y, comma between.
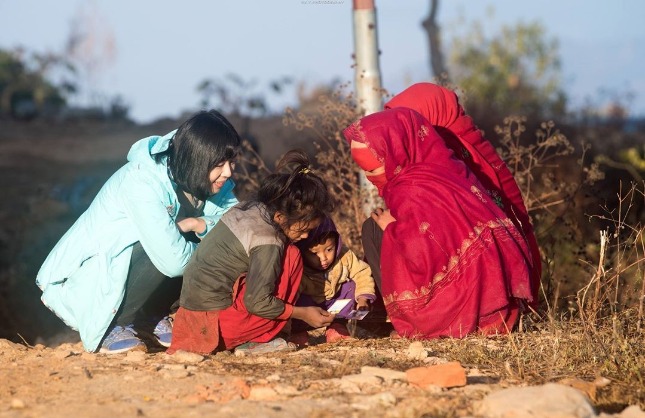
x: 141, y: 228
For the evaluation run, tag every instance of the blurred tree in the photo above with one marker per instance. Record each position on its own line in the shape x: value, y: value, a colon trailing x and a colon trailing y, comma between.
x: 234, y: 96
x: 245, y: 104
x: 433, y: 31
x: 239, y: 98
x: 516, y: 71
x: 25, y: 86
x: 91, y: 47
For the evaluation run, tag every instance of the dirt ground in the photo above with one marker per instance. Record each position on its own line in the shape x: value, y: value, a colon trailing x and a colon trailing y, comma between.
x: 320, y: 381
x: 362, y: 377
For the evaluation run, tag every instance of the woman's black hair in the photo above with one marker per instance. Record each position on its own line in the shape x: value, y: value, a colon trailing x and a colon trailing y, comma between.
x: 295, y: 191
x: 203, y: 142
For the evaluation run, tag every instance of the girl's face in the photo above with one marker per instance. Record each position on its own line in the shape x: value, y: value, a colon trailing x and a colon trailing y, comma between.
x: 297, y: 231
x: 220, y: 174
x: 321, y: 256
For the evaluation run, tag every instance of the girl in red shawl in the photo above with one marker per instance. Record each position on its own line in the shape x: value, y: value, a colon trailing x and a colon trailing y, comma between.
x: 441, y: 108
x: 452, y: 262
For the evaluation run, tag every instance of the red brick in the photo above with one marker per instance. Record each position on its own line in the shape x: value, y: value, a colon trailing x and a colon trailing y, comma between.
x: 446, y: 375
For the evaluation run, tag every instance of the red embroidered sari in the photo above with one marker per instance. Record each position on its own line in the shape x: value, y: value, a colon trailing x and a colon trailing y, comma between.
x: 441, y: 108
x: 453, y: 263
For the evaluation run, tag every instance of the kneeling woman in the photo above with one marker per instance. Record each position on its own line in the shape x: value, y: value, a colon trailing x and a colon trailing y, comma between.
x: 141, y: 230
x: 451, y: 261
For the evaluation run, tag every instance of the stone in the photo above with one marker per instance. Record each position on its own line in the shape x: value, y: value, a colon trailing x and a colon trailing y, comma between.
x: 182, y: 356
x: 263, y: 393
x: 380, y: 400
x: 633, y: 411
x: 416, y: 351
x: 388, y: 375
x: 273, y: 378
x: 286, y: 390
x: 551, y: 400
x: 17, y: 403
x: 363, y: 379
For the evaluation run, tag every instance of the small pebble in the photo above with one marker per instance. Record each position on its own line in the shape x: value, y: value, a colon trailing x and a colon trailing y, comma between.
x: 182, y: 356
x: 17, y: 404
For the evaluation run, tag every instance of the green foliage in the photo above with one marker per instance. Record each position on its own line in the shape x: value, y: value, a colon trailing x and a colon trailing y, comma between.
x: 635, y: 157
x: 25, y: 89
x: 515, y: 71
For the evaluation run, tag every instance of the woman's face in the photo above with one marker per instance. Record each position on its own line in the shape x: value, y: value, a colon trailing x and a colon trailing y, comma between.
x: 297, y: 231
x: 373, y: 168
x: 366, y: 160
x: 220, y: 174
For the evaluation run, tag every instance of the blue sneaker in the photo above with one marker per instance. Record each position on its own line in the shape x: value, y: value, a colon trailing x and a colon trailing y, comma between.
x: 120, y: 340
x: 163, y: 331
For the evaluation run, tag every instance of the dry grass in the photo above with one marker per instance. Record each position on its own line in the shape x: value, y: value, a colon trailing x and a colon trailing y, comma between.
x: 609, y: 363
x: 333, y: 160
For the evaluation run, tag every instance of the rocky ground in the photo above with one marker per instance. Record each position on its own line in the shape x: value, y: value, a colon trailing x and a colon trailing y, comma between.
x: 373, y: 377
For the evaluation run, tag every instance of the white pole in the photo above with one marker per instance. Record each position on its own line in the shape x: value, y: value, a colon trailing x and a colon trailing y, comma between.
x: 367, y: 74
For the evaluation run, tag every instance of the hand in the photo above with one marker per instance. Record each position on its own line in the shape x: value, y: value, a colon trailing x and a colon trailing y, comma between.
x: 383, y: 217
x: 313, y: 315
x: 197, y: 225
x: 362, y: 304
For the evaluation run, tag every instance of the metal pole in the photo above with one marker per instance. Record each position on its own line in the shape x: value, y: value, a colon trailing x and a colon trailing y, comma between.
x: 367, y: 75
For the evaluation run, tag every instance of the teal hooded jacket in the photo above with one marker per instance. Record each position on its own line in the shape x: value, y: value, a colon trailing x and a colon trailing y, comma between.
x: 83, y: 277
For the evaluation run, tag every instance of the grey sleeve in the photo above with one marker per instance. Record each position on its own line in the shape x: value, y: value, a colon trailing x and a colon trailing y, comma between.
x: 265, y: 267
x: 208, y: 282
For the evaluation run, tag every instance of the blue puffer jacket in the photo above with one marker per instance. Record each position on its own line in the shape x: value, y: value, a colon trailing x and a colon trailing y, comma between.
x: 83, y: 278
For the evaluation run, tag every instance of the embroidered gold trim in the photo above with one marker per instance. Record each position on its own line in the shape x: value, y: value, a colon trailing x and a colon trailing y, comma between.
x: 470, y: 248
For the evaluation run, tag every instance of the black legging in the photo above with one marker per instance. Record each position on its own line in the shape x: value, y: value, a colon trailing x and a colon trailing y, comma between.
x: 372, y: 237
x: 149, y: 295
x: 147, y: 291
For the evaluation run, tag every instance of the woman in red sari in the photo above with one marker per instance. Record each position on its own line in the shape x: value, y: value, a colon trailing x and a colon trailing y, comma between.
x: 452, y: 262
x: 441, y: 108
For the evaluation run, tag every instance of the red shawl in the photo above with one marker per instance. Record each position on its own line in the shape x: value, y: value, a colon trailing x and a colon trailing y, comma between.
x: 441, y: 108
x: 453, y: 263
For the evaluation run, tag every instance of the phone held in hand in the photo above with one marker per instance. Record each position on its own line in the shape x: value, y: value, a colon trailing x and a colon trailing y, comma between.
x: 338, y: 306
x: 354, y: 314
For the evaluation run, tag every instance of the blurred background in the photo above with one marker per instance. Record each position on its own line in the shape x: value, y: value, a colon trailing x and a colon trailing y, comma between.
x: 81, y: 80
x: 153, y: 57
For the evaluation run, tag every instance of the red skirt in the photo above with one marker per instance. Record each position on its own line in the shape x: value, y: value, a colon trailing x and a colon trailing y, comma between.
x: 205, y: 331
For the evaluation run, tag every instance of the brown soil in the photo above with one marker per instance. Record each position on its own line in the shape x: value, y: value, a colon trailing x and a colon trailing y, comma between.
x: 319, y: 381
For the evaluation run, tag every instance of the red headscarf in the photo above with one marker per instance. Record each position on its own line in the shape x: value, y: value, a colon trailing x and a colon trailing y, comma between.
x: 366, y: 160
x: 452, y: 263
x: 441, y: 108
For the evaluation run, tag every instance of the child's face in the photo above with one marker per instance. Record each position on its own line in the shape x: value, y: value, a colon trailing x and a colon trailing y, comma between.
x: 300, y: 230
x: 321, y: 256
